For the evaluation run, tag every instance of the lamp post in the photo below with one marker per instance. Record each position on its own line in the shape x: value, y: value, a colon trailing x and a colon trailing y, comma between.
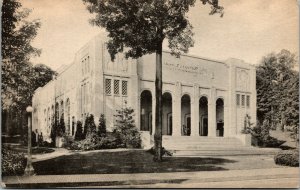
x: 29, y: 170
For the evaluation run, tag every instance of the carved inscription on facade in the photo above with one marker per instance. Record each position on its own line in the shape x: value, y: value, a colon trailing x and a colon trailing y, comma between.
x: 196, y: 70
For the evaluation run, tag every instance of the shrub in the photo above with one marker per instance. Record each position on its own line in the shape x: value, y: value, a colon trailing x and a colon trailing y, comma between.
x: 53, y: 134
x: 79, y: 133
x: 89, y: 143
x: 94, y: 142
x: 89, y: 125
x: 125, y: 128
x: 164, y: 151
x: 247, y: 125
x: 261, y: 134
x: 61, y: 128
x: 102, y: 126
x: 287, y: 158
x: 13, y: 163
x: 45, y: 144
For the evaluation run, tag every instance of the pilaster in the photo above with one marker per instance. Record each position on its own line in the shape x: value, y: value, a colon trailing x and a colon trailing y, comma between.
x: 176, y: 109
x: 212, y: 113
x: 195, y: 111
x: 226, y: 119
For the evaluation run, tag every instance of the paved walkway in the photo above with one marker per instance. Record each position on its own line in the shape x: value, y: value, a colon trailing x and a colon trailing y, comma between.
x: 231, y: 178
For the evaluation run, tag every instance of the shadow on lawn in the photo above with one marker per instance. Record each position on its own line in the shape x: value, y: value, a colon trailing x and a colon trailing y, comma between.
x: 131, y: 161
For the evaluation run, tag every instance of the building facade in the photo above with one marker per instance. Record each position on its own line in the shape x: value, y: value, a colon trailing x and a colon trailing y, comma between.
x: 201, y: 97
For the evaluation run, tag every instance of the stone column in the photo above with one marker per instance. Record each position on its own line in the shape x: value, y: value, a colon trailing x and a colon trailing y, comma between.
x: 212, y: 113
x: 195, y: 112
x: 176, y: 110
x: 226, y: 118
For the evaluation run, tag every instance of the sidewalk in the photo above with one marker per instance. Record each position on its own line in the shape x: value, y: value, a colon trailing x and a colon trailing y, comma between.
x: 173, y: 179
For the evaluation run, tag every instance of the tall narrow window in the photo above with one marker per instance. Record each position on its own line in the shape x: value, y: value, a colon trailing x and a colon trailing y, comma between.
x: 124, y: 88
x: 238, y: 100
x: 248, y: 101
x: 116, y: 87
x: 243, y: 100
x: 108, y: 86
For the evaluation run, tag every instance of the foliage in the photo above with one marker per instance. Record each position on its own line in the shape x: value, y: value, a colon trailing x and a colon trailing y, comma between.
x: 45, y: 144
x: 165, y: 152
x: 61, y: 128
x: 102, y: 126
x: 13, y: 163
x: 53, y: 133
x: 247, y: 124
x: 89, y: 125
x: 126, y: 129
x: 139, y: 27
x: 261, y: 134
x: 94, y: 142
x: 278, y: 89
x: 287, y: 158
x: 19, y: 77
x: 79, y: 133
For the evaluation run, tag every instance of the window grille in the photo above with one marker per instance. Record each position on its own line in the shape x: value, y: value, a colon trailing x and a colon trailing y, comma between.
x: 124, y: 88
x: 108, y: 86
x: 116, y: 87
x: 248, y: 101
x: 243, y: 100
x: 238, y: 100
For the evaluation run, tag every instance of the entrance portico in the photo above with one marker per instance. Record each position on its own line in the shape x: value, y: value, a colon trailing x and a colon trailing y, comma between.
x: 201, y: 117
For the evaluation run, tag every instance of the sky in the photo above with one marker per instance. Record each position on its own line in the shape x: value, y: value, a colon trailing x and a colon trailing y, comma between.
x: 249, y: 29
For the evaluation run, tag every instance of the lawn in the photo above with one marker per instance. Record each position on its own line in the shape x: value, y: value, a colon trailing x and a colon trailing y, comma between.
x: 140, y: 161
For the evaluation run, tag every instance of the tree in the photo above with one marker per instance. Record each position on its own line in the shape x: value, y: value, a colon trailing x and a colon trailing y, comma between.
x: 89, y: 125
x: 139, y: 27
x: 79, y: 133
x: 278, y: 89
x: 19, y: 77
x: 102, y: 126
x: 17, y: 35
x: 126, y: 129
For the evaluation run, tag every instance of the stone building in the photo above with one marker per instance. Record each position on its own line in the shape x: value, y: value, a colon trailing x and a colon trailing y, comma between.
x: 201, y: 97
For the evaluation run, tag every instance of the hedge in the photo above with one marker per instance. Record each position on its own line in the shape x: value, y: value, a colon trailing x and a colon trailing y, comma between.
x: 13, y: 163
x: 287, y: 158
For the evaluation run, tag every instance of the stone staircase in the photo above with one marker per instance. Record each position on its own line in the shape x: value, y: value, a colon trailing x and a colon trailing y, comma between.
x: 211, y: 146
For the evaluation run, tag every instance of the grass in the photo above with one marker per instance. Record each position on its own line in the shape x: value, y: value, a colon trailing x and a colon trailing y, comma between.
x: 141, y: 161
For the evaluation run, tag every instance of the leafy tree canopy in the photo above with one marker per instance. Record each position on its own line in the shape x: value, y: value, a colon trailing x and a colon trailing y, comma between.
x: 136, y: 27
x: 17, y: 35
x: 278, y: 88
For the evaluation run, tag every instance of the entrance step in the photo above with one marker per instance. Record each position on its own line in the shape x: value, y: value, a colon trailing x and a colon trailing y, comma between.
x: 209, y: 146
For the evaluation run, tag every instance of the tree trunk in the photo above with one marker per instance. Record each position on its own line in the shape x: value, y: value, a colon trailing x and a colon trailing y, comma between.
x: 158, y: 105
